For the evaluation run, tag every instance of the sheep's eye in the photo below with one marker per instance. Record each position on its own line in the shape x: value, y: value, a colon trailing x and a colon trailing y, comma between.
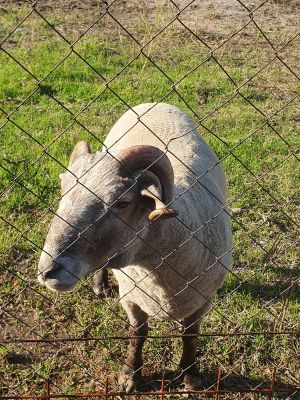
x: 122, y: 204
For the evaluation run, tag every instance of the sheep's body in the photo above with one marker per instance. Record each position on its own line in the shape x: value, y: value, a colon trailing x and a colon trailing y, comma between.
x: 197, y: 245
x: 174, y: 266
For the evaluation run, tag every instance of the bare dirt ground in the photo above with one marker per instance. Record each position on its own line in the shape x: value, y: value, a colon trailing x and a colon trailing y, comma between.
x: 202, y: 17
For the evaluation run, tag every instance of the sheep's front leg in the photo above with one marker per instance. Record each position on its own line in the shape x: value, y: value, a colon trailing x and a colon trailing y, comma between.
x: 100, y: 282
x: 131, y: 371
x: 191, y: 378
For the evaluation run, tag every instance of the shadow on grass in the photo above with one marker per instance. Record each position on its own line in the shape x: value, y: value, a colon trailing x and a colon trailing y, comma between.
x: 272, y: 290
x: 284, y: 285
x: 47, y: 90
x: 209, y: 380
x: 18, y: 358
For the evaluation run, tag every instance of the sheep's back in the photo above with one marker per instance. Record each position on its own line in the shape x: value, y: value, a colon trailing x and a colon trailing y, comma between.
x: 168, y: 128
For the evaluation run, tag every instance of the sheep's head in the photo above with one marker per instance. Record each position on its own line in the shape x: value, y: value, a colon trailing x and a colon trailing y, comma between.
x: 105, y: 201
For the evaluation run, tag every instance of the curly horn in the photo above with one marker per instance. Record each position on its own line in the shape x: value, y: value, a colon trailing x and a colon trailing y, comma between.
x: 153, y: 159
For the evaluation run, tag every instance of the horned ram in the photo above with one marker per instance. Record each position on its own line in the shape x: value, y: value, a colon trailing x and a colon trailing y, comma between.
x: 152, y: 207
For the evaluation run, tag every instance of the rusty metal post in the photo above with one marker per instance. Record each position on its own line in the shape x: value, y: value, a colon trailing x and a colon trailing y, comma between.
x: 218, y: 384
x: 48, y: 389
x: 162, y: 386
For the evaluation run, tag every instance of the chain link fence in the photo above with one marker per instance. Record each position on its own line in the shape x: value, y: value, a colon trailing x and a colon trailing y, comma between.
x: 70, y: 70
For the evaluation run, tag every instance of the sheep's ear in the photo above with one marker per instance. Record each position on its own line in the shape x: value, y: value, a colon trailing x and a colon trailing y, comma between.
x: 160, y: 211
x: 80, y: 149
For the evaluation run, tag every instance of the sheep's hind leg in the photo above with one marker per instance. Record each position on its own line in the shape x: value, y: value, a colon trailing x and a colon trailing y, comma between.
x: 131, y: 371
x: 100, y: 282
x: 189, y: 369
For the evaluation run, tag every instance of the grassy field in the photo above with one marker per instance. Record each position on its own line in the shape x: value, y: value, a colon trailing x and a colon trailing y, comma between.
x: 82, y: 91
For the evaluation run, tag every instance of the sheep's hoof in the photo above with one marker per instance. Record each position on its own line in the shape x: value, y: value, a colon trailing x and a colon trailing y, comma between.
x: 100, y: 290
x: 191, y: 382
x: 100, y: 283
x: 128, y: 380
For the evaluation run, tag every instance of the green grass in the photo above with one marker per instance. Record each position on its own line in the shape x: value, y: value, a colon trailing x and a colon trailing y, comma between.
x: 263, y: 179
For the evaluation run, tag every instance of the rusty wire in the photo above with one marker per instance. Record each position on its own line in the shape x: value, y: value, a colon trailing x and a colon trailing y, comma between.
x: 237, y: 330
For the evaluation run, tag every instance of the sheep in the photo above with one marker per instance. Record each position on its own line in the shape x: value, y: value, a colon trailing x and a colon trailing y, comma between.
x: 152, y: 206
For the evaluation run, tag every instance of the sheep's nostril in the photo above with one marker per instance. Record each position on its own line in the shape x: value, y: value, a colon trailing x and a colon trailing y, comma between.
x: 52, y: 273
